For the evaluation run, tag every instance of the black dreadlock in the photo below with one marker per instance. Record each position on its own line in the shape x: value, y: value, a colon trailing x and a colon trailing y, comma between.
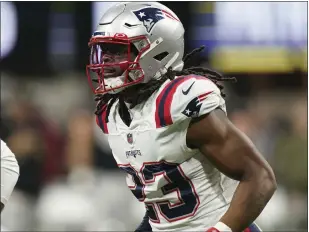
x: 148, y: 89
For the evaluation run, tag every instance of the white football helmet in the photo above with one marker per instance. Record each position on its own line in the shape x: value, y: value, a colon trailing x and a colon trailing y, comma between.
x: 149, y: 30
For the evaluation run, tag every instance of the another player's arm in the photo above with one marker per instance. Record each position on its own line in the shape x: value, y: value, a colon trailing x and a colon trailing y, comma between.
x: 234, y: 155
x: 9, y: 173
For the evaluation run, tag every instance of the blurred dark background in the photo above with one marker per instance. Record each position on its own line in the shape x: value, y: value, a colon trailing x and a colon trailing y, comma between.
x: 47, y: 107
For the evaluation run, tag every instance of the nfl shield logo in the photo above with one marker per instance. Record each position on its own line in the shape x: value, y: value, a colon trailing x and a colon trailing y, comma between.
x: 130, y: 138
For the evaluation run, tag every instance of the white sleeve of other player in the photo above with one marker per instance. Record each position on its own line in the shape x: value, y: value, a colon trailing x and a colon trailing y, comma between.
x: 9, y: 172
x: 195, y: 97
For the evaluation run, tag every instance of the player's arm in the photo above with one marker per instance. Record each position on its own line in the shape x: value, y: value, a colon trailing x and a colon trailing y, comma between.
x: 232, y: 153
x: 9, y: 173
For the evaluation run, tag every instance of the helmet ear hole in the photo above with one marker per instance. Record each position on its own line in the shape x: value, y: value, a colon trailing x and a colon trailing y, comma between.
x: 161, y: 56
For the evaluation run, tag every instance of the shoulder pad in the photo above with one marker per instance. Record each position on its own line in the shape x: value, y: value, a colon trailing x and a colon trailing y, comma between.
x: 187, y: 97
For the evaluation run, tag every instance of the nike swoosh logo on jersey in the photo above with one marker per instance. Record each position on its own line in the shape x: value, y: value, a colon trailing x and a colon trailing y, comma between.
x: 188, y: 90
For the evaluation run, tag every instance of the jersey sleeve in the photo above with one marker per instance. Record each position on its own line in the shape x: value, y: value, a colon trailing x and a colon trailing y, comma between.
x: 196, y: 96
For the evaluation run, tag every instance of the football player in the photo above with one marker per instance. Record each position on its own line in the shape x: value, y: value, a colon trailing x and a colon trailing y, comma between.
x: 168, y: 129
x: 9, y: 173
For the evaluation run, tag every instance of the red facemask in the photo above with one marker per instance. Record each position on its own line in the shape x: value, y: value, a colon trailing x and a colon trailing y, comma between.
x: 111, y: 57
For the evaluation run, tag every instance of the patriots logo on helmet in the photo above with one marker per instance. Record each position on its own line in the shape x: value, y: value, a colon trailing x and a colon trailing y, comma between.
x: 194, y: 106
x: 150, y: 16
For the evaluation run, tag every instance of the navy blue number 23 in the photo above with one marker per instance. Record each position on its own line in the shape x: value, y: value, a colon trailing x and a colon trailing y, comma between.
x: 177, y: 181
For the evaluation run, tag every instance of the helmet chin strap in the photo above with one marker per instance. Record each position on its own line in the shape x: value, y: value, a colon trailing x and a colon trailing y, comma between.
x: 177, y: 67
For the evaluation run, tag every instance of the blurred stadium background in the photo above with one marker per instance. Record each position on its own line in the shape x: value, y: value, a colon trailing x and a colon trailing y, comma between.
x: 69, y: 180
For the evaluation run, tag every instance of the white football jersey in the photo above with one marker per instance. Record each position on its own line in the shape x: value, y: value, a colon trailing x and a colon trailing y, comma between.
x: 181, y: 189
x: 9, y: 172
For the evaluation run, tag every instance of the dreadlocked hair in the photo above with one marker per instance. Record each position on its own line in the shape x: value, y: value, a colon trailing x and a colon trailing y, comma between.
x: 149, y: 88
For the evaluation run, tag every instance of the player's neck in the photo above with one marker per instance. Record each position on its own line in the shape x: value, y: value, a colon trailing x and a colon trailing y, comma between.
x: 130, y: 94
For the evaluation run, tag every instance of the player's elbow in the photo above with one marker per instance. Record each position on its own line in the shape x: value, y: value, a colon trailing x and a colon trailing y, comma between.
x: 265, y: 178
x: 260, y: 175
x: 270, y: 183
